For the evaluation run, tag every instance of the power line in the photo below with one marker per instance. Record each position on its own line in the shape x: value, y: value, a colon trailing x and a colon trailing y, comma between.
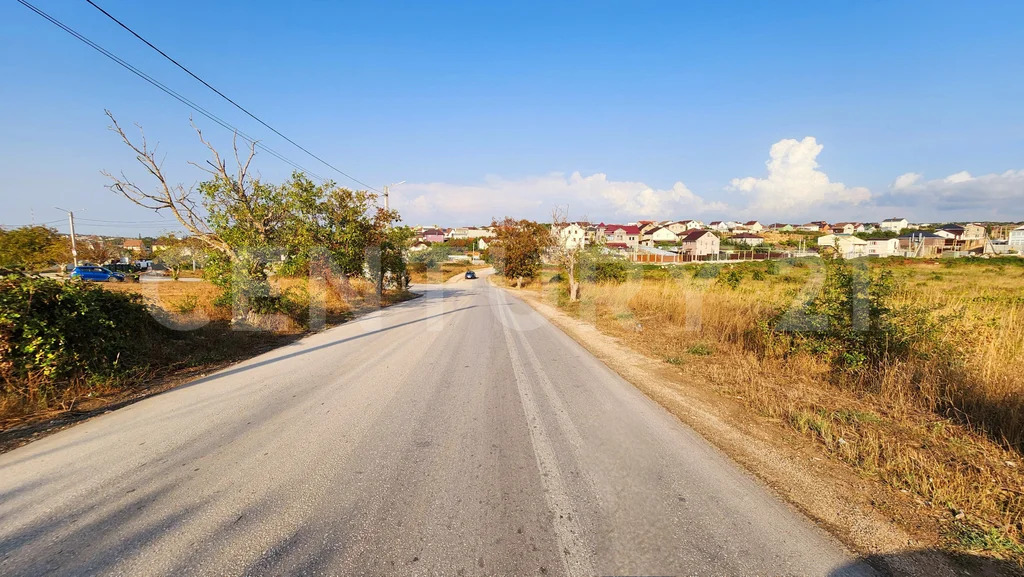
x: 225, y: 97
x: 223, y: 123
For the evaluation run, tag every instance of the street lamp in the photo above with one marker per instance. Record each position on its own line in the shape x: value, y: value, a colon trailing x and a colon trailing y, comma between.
x: 387, y: 187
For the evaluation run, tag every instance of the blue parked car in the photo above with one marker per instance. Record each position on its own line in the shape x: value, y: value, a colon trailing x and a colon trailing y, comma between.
x: 96, y: 273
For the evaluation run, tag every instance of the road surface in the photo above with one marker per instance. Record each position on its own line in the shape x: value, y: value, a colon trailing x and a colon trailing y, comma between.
x: 456, y: 434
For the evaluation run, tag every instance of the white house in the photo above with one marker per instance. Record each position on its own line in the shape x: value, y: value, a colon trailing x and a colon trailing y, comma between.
x: 573, y: 236
x: 1016, y: 239
x: 847, y: 227
x: 849, y: 246
x: 747, y: 239
x: 719, y: 226
x: 752, y: 226
x: 700, y: 243
x: 894, y: 224
x: 883, y: 247
x: 661, y: 234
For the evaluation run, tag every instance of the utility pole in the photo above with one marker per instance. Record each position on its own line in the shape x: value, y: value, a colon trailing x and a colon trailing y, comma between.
x: 387, y: 205
x: 71, y: 221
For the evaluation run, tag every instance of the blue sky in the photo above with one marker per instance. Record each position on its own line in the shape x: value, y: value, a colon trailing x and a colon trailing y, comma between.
x: 771, y: 110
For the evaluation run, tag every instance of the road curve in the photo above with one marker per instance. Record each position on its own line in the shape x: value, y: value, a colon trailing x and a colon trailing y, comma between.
x: 456, y: 434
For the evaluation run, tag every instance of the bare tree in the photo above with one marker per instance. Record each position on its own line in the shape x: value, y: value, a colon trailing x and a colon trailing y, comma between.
x: 175, y: 198
x: 565, y: 251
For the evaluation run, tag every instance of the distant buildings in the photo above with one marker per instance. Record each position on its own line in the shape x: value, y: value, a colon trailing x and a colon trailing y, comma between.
x: 1016, y: 239
x: 895, y: 224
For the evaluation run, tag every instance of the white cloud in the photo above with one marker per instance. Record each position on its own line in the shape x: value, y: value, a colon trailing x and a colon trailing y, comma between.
x: 794, y: 185
x: 971, y: 196
x: 593, y: 196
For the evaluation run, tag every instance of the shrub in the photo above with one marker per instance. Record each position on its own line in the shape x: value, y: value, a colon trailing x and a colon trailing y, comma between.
x: 851, y: 321
x: 53, y: 333
x: 731, y: 278
x: 707, y: 271
x: 610, y: 270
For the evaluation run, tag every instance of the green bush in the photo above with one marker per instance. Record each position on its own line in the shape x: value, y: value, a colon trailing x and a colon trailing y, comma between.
x: 851, y: 320
x: 732, y: 277
x: 610, y: 270
x: 52, y: 333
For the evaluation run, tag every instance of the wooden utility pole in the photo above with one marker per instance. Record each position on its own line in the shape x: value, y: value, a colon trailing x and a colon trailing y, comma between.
x: 74, y: 248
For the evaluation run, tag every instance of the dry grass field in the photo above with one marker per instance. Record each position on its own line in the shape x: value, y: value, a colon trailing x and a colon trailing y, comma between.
x: 942, y: 425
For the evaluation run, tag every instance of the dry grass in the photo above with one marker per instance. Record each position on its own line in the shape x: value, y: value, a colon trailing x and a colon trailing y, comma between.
x: 949, y: 441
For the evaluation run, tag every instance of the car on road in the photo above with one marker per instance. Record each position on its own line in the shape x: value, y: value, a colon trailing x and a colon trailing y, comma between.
x: 470, y: 274
x: 96, y: 273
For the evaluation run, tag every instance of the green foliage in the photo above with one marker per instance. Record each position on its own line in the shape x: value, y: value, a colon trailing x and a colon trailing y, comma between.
x: 516, y: 251
x: 851, y: 320
x: 707, y: 271
x: 433, y: 256
x: 732, y: 277
x: 294, y: 228
x: 599, y: 267
x: 32, y: 248
x: 701, y: 350
x: 54, y: 333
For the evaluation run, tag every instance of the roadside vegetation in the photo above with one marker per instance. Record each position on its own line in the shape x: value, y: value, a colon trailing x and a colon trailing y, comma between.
x: 908, y: 371
x: 276, y: 259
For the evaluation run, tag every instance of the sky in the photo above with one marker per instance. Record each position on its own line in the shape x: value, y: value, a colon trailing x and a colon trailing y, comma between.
x: 617, y: 111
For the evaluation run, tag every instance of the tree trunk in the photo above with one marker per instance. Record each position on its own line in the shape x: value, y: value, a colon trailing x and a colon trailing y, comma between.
x: 574, y: 290
x: 519, y: 282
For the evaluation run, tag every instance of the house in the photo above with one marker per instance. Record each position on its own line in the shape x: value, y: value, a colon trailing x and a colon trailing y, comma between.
x: 456, y: 233
x: 477, y: 232
x: 682, y: 226
x: 752, y: 226
x: 847, y: 227
x: 419, y: 246
x: 781, y: 227
x: 747, y: 238
x: 922, y: 244
x: 974, y: 231
x: 647, y: 225
x: 719, y: 226
x: 815, y: 226
x: 895, y: 224
x: 951, y: 231
x: 699, y: 243
x: 883, y: 247
x: 628, y: 234
x: 134, y: 245
x: 572, y: 236
x: 659, y: 235
x: 432, y: 235
x: 847, y: 245
x: 1016, y: 239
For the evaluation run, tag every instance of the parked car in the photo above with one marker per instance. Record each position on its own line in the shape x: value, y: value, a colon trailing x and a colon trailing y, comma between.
x: 470, y: 274
x: 124, y: 267
x: 96, y: 273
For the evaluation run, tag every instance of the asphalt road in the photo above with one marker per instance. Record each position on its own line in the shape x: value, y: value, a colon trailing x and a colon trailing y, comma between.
x: 457, y: 434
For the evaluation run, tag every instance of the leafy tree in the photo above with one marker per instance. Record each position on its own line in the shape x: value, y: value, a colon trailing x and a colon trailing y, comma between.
x: 436, y: 254
x: 175, y: 258
x: 32, y: 248
x: 516, y: 252
x: 255, y: 227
